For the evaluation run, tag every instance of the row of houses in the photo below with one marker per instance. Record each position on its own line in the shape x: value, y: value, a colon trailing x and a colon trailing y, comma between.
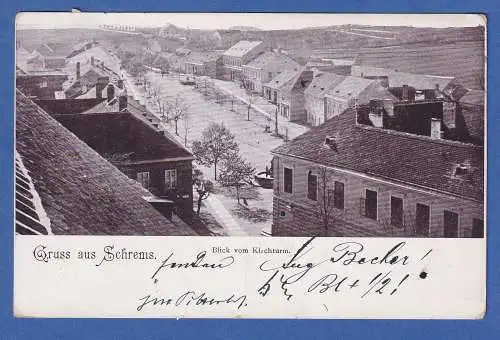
x: 323, y: 88
x: 97, y: 121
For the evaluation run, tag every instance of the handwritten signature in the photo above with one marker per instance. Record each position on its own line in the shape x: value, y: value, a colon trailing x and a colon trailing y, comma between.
x: 199, y: 262
x: 192, y: 298
x: 344, y: 254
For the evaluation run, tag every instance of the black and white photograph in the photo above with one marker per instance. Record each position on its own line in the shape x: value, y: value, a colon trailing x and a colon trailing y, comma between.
x: 262, y: 165
x: 348, y: 130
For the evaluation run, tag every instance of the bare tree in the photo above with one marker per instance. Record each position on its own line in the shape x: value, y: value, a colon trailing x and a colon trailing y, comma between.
x: 326, y: 201
x: 203, y: 187
x: 236, y: 173
x: 176, y: 110
x: 250, y: 97
x: 217, y: 143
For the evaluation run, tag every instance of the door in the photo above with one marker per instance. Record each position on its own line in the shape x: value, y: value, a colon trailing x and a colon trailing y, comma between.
x: 275, y: 98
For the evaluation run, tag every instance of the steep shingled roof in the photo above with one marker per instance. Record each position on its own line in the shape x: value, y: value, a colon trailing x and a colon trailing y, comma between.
x: 394, y: 156
x: 81, y: 192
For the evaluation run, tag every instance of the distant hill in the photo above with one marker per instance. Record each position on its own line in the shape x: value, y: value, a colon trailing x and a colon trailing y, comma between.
x: 244, y: 28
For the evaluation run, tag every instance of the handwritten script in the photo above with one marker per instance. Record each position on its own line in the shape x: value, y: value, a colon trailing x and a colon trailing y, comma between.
x: 346, y: 267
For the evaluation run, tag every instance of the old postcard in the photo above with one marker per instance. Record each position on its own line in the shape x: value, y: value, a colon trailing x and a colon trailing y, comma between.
x: 250, y: 165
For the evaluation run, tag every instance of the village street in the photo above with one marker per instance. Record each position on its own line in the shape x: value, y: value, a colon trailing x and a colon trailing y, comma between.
x: 254, y: 143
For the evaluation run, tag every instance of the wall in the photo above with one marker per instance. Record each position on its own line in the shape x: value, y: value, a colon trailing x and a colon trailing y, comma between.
x: 349, y: 222
x: 315, y: 111
x: 157, y: 182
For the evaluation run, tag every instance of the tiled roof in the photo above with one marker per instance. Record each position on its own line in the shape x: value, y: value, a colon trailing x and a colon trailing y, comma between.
x: 118, y: 133
x: 262, y: 59
x: 55, y: 50
x: 475, y: 97
x: 242, y: 47
x: 418, y: 81
x: 201, y: 57
x: 349, y: 87
x: 283, y: 78
x: 322, y: 83
x: 80, y: 191
x: 394, y: 156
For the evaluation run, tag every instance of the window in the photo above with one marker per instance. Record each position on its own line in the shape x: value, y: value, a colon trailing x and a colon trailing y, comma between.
x: 450, y: 224
x: 338, y: 195
x: 288, y: 180
x: 143, y: 178
x: 396, y: 211
x: 43, y: 84
x: 371, y: 204
x: 477, y: 228
x: 312, y: 186
x: 170, y: 179
x: 422, y: 219
x: 269, y: 75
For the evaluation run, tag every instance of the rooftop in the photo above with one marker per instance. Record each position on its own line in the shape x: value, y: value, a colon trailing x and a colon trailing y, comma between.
x: 124, y: 133
x: 322, y: 83
x: 349, y: 87
x: 81, y: 192
x: 394, y: 156
x: 55, y: 50
x: 242, y: 47
x: 418, y: 81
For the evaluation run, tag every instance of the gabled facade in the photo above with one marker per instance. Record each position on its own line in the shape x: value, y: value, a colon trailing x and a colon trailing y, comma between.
x: 238, y: 55
x: 376, y: 182
x: 286, y: 90
x: 264, y: 68
x: 315, y: 96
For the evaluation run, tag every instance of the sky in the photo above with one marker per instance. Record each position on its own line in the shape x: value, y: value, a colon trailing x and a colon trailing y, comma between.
x: 265, y: 21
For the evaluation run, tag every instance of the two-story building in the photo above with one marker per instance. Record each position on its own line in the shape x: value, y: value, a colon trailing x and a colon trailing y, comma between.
x: 351, y: 92
x: 41, y: 85
x: 347, y: 179
x: 315, y: 96
x: 264, y: 68
x: 286, y: 90
x: 238, y: 55
x: 204, y: 64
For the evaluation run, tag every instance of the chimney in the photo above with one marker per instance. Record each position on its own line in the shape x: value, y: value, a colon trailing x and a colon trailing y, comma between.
x: 122, y: 103
x: 110, y: 92
x: 405, y: 92
x: 435, y: 128
x: 78, y: 70
x: 101, y: 84
x: 92, y: 60
x: 119, y: 83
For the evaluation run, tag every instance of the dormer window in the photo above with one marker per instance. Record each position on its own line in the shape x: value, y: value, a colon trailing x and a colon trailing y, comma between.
x: 331, y: 142
x: 461, y: 170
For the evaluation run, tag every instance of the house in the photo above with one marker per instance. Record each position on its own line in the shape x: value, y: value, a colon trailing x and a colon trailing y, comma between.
x: 238, y: 55
x: 330, y: 65
x: 287, y: 91
x: 41, y: 85
x: 314, y: 96
x: 353, y: 91
x: 204, y: 64
x: 63, y: 187
x: 353, y: 180
x: 54, y: 55
x: 85, y: 77
x: 131, y: 138
x: 264, y: 68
